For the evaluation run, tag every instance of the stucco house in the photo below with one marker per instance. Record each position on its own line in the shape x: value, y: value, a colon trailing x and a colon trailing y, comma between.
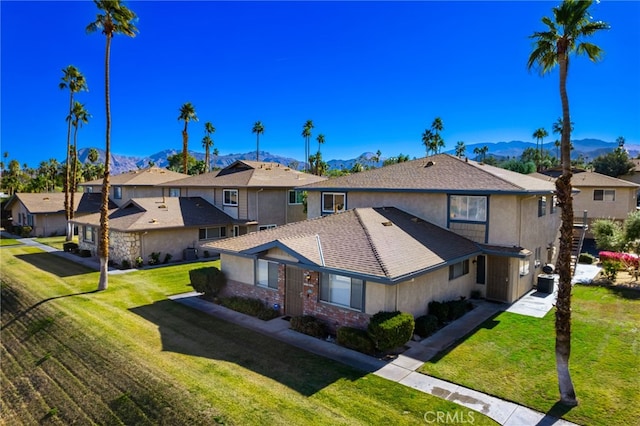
x: 455, y: 226
x: 44, y: 212
x: 600, y: 196
x: 634, y: 174
x: 137, y: 184
x: 178, y: 226
x: 259, y: 195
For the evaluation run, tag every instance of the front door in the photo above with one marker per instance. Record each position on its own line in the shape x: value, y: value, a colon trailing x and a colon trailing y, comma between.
x: 498, y: 278
x: 294, y: 280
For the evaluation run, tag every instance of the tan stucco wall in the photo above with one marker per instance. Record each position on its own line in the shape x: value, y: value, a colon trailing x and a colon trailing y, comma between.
x: 207, y: 193
x: 267, y: 206
x: 238, y: 268
x: 277, y: 253
x: 619, y: 209
x: 44, y: 224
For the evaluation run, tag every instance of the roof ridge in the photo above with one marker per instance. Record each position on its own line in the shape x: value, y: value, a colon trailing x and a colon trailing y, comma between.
x: 387, y: 273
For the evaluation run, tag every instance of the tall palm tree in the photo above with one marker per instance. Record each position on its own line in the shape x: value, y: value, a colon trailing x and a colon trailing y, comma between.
x: 115, y: 18
x: 427, y: 137
x: 436, y: 128
x: 215, y: 156
x: 564, y: 36
x: 539, y: 135
x: 258, y: 129
x: 460, y: 149
x: 306, y: 134
x: 187, y: 114
x: 79, y: 116
x: 73, y: 80
x: 620, y: 140
x: 207, y: 143
x: 93, y: 155
x: 320, y: 140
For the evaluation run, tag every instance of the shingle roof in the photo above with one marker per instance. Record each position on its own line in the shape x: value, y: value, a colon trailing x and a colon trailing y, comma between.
x: 384, y: 244
x: 141, y: 214
x: 45, y: 202
x: 586, y: 178
x: 442, y: 172
x: 148, y: 176
x: 251, y: 174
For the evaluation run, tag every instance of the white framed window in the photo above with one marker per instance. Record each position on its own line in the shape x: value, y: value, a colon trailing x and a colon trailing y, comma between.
x: 296, y: 197
x: 524, y: 266
x: 333, y: 202
x: 230, y: 197
x: 211, y: 233
x: 265, y: 227
x: 174, y: 192
x: 604, y: 195
x: 117, y: 192
x: 89, y: 234
x: 267, y: 274
x: 542, y: 206
x: 470, y: 208
x: 342, y: 291
x: 459, y: 269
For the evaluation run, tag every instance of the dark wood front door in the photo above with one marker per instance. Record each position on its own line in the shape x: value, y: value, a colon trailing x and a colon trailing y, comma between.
x: 294, y: 280
x: 498, y: 278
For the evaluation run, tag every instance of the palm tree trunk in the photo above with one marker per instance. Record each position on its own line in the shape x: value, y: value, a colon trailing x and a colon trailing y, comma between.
x: 563, y: 303
x: 206, y: 159
x: 103, y: 247
x: 258, y: 147
x: 185, y: 147
x: 67, y: 215
x: 74, y: 174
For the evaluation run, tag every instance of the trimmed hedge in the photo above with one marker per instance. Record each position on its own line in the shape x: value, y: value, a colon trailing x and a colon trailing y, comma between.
x: 450, y: 310
x: 356, y: 339
x: 249, y: 306
x: 309, y: 325
x: 586, y: 258
x: 209, y: 280
x: 426, y: 325
x: 390, y: 330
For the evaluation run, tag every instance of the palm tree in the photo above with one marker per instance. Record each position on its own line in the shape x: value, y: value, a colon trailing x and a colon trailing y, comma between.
x: 539, y: 135
x: 215, y: 156
x: 460, y: 149
x: 556, y: 128
x: 207, y: 143
x: 436, y: 128
x: 563, y: 36
x: 73, y: 80
x: 481, y: 152
x: 115, y: 19
x: 306, y: 134
x: 621, y: 141
x: 427, y: 137
x: 79, y: 116
x: 258, y: 129
x: 93, y: 155
x: 187, y: 113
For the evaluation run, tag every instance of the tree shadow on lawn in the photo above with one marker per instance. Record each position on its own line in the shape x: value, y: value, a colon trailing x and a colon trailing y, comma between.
x: 54, y: 264
x: 191, y: 332
x: 629, y: 290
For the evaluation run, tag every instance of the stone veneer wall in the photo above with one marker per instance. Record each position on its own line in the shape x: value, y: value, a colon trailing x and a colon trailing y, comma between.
x: 124, y: 246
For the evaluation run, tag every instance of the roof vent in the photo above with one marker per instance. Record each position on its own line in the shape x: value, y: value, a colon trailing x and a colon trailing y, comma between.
x: 153, y: 221
x: 429, y: 163
x: 162, y: 206
x: 45, y: 199
x: 387, y: 223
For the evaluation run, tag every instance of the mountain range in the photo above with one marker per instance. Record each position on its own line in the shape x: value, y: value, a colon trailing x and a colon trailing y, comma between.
x: 587, y: 148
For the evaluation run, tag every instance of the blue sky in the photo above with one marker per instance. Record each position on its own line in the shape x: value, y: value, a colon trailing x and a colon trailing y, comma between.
x: 371, y: 75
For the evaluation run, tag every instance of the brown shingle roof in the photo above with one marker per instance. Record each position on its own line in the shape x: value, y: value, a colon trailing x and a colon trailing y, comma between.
x: 141, y: 214
x: 582, y: 178
x: 384, y: 244
x: 442, y: 172
x: 148, y: 176
x: 255, y: 174
x: 46, y: 202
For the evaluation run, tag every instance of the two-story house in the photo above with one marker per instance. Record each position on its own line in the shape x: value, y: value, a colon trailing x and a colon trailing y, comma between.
x: 398, y: 237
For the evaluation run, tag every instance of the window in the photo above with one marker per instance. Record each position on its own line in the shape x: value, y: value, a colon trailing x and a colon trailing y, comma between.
x: 174, y: 192
x: 265, y: 227
x: 230, y: 197
x: 29, y: 219
x: 468, y: 208
x: 524, y: 266
x: 343, y: 291
x: 88, y: 189
x: 604, y: 195
x: 333, y: 202
x: 236, y: 230
x: 267, y: 274
x: 89, y: 234
x: 542, y: 206
x: 211, y: 233
x: 459, y: 269
x: 554, y: 204
x: 296, y: 197
x: 117, y: 192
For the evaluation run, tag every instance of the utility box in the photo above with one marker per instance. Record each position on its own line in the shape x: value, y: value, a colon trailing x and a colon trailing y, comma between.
x: 190, y: 254
x: 545, y: 283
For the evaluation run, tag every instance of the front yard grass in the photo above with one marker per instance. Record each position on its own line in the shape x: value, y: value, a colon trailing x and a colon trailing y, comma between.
x: 9, y: 242
x: 130, y: 356
x: 513, y: 357
x: 56, y: 241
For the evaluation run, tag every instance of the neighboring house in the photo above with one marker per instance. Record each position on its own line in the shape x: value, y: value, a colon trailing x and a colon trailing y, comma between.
x: 259, y: 195
x: 343, y: 268
x: 44, y: 212
x: 634, y: 175
x: 177, y: 226
x: 136, y: 184
x: 600, y: 196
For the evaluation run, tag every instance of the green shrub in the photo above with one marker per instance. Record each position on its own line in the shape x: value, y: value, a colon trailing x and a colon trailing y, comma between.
x: 139, y: 262
x: 167, y: 258
x: 126, y: 264
x: 26, y: 231
x: 209, y: 280
x: 586, y: 258
x: 310, y: 325
x: 249, y: 306
x: 207, y: 254
x: 458, y: 308
x: 356, y: 339
x: 390, y: 330
x: 440, y: 310
x: 610, y: 269
x: 69, y: 247
x: 154, y: 258
x: 85, y: 253
x: 426, y: 325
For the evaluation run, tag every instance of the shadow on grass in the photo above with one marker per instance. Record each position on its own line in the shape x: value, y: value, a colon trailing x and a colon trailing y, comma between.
x: 54, y: 264
x: 194, y: 333
x: 626, y: 291
x: 557, y: 411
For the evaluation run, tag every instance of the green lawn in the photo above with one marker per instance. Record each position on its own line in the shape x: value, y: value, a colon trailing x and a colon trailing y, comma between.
x: 56, y: 242
x: 9, y: 242
x: 512, y: 356
x: 130, y: 356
